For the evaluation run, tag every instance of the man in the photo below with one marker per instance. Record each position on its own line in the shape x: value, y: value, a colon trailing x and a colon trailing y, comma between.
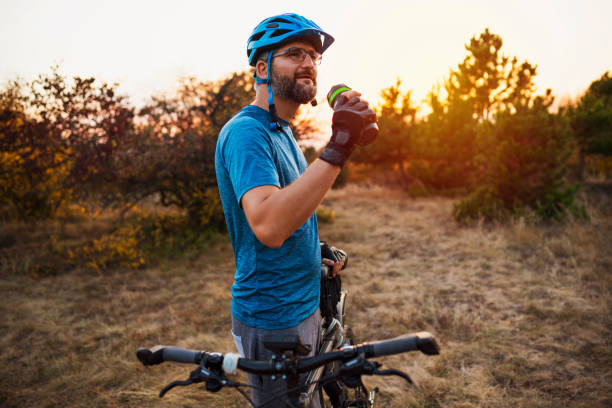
x: 270, y: 195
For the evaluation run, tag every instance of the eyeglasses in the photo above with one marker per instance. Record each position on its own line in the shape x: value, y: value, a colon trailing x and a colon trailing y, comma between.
x: 298, y: 55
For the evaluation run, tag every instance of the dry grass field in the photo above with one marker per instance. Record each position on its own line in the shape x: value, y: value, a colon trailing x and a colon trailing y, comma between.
x: 522, y: 313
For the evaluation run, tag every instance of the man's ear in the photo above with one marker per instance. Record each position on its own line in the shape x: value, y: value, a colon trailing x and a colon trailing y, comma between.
x: 261, y: 69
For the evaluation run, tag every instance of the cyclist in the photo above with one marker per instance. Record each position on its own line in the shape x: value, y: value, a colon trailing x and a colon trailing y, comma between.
x: 270, y: 195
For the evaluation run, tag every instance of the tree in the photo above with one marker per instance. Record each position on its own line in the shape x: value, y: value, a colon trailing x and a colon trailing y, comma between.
x: 397, y: 123
x: 455, y: 140
x: 489, y: 80
x: 59, y: 137
x: 527, y: 167
x: 172, y: 154
x: 446, y: 145
x: 478, y: 79
x: 591, y: 120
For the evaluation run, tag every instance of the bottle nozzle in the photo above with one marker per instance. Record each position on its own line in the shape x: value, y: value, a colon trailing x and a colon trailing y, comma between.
x: 334, y: 92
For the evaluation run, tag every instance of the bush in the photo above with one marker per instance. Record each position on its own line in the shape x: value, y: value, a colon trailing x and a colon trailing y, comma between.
x: 57, y: 138
x: 120, y: 248
x: 525, y: 169
x: 325, y: 214
x: 171, y: 236
x: 29, y: 194
x: 172, y: 155
x: 483, y: 203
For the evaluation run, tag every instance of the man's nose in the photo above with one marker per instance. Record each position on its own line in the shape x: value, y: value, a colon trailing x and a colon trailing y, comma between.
x: 308, y: 61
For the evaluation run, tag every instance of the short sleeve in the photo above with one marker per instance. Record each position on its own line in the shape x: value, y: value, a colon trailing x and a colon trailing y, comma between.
x: 249, y: 158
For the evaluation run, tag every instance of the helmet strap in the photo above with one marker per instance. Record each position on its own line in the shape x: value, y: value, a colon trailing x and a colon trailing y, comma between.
x: 274, y: 121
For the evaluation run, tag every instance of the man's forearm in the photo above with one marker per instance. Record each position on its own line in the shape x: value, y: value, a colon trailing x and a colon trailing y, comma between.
x: 274, y: 214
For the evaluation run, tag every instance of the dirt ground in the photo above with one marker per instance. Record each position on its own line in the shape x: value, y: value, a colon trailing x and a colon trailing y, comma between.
x: 522, y: 313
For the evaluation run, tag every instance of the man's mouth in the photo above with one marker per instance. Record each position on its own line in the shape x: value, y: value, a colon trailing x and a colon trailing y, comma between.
x: 305, y: 76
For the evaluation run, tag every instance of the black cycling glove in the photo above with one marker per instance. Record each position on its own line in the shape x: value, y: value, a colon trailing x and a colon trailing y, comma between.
x: 351, y: 116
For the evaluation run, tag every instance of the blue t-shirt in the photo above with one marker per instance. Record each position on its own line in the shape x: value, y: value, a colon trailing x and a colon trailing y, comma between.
x: 273, y: 288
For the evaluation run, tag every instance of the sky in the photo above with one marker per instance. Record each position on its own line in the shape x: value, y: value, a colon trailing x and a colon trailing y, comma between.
x: 147, y: 46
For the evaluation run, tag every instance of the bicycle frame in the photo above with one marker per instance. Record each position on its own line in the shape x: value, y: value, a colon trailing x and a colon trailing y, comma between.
x: 331, y: 337
x: 334, y: 337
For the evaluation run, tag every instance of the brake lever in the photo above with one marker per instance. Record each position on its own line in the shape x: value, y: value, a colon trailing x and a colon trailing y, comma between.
x: 352, y: 370
x: 392, y: 371
x: 214, y: 382
x: 175, y: 384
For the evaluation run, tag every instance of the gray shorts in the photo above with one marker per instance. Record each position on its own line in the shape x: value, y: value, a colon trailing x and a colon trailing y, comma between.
x: 249, y: 342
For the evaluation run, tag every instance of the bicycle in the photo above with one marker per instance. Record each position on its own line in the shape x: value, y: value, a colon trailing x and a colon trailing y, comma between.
x: 337, y: 366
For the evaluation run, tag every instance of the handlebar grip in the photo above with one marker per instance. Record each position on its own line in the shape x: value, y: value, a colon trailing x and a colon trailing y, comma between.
x: 422, y: 341
x: 394, y: 346
x: 182, y: 355
x: 159, y: 354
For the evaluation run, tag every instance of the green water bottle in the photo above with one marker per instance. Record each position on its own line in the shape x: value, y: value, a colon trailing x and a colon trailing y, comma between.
x: 369, y: 133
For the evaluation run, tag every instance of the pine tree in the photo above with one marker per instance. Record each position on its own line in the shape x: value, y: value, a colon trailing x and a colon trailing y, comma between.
x: 527, y: 167
x: 393, y: 148
x: 591, y: 120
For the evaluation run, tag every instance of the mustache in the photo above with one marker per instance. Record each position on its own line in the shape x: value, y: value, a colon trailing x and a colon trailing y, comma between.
x: 307, y: 72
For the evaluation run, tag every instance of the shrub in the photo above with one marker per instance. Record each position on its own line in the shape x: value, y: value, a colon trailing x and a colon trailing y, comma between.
x: 120, y: 248
x: 57, y: 137
x: 325, y: 214
x: 525, y: 168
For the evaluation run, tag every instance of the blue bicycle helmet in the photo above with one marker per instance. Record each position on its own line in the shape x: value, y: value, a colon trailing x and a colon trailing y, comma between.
x: 275, y: 31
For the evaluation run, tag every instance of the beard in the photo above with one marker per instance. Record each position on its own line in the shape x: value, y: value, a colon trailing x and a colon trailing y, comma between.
x: 288, y: 88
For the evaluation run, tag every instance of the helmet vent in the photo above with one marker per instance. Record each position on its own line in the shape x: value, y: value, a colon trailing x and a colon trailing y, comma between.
x: 280, y: 20
x: 272, y: 25
x: 257, y: 36
x: 276, y: 33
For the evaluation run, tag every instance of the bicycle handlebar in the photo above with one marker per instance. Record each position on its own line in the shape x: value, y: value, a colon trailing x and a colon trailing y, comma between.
x: 422, y: 341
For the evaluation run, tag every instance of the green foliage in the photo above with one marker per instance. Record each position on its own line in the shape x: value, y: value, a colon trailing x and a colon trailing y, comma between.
x: 455, y: 138
x: 446, y: 145
x: 168, y: 236
x: 393, y: 147
x: 494, y: 136
x: 65, y: 140
x: 144, y: 238
x: 84, y: 239
x: 325, y: 214
x: 478, y: 79
x: 490, y: 81
x: 482, y: 203
x: 526, y: 167
x: 118, y: 249
x: 591, y: 118
x: 487, y: 132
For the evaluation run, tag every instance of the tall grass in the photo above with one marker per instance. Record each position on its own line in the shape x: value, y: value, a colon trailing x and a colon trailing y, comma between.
x: 522, y: 311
